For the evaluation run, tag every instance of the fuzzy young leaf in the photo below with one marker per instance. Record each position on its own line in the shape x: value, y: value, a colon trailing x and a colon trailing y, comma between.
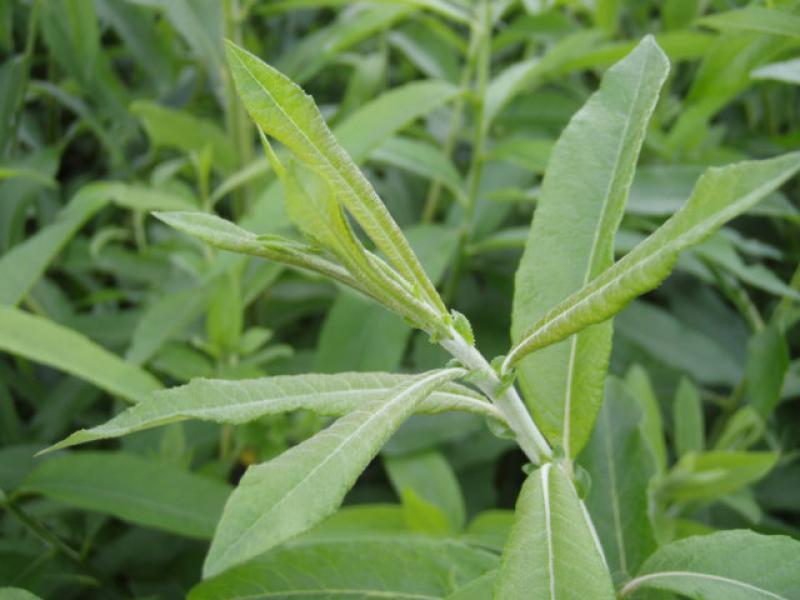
x: 720, y: 195
x: 572, y: 241
x: 285, y: 496
x: 553, y: 551
x: 285, y: 112
x: 729, y: 565
x: 237, y: 402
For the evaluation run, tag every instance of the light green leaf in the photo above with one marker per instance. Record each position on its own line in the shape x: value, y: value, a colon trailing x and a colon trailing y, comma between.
x: 24, y: 264
x: 236, y: 402
x: 711, y: 475
x: 71, y: 32
x: 179, y: 130
x: 720, y: 195
x: 44, y: 341
x: 445, y: 8
x: 620, y: 467
x: 688, y: 421
x: 787, y: 71
x: 428, y: 476
x: 728, y: 565
x: 572, y: 241
x: 13, y: 593
x: 397, y: 567
x: 477, y: 589
x: 286, y: 113
x: 755, y: 18
x: 143, y: 491
x: 553, y: 551
x: 285, y: 496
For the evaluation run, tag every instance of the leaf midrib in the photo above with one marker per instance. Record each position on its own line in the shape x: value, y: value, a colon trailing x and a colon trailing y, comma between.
x: 634, y: 584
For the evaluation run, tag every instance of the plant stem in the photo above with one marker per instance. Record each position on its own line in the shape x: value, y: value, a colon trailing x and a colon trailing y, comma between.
x: 478, y: 141
x: 44, y: 534
x: 507, y: 400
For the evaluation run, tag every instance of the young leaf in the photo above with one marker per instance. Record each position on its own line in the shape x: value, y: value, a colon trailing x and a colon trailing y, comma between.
x: 398, y: 567
x: 720, y: 195
x: 236, y: 402
x: 286, y: 113
x: 728, y: 565
x: 688, y: 422
x: 553, y: 551
x: 620, y: 466
x: 589, y: 174
x: 144, y: 491
x: 285, y: 496
x: 49, y: 343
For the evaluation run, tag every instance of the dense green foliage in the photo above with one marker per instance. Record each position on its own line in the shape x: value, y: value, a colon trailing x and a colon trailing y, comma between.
x: 407, y: 299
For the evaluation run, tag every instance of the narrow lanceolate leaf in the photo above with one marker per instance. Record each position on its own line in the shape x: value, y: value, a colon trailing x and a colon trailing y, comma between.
x: 688, y: 422
x: 286, y: 113
x: 236, y: 402
x: 729, y: 565
x: 553, y: 551
x: 44, y: 341
x: 404, y: 567
x: 24, y: 264
x: 720, y: 195
x: 572, y: 241
x: 621, y: 466
x: 285, y: 496
x: 148, y: 492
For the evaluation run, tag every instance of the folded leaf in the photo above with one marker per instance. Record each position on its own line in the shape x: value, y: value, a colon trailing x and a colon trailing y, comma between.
x: 399, y: 567
x: 720, y: 195
x: 728, y: 565
x: 553, y: 551
x: 286, y: 113
x: 44, y: 341
x: 285, y: 496
x: 236, y: 402
x: 572, y: 241
x: 144, y: 491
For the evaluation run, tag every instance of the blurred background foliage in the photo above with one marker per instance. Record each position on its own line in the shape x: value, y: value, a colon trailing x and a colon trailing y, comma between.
x: 110, y: 109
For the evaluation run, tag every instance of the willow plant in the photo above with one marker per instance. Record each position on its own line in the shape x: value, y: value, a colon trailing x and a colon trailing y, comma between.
x: 546, y: 392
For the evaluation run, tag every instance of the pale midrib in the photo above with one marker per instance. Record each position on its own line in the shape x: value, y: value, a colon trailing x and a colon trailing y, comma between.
x: 548, y: 529
x: 674, y: 246
x: 634, y: 584
x: 411, y: 269
x: 573, y: 349
x: 337, y: 449
x: 213, y: 413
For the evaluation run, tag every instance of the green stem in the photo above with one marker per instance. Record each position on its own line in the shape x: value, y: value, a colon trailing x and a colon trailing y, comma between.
x: 44, y: 534
x: 476, y: 162
x: 507, y: 400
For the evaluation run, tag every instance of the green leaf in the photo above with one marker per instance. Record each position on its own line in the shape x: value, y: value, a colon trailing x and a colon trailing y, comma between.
x: 429, y: 477
x: 767, y: 364
x: 640, y: 386
x: 44, y: 341
x: 143, y: 491
x: 620, y: 466
x: 241, y: 401
x: 13, y: 75
x: 711, y: 475
x: 398, y: 567
x: 563, y: 385
x: 688, y: 421
x: 787, y: 71
x: 755, y: 18
x: 720, y: 195
x: 728, y: 565
x: 13, y: 593
x: 553, y: 551
x: 285, y: 496
x: 71, y: 32
x: 24, y: 264
x: 285, y: 112
x: 179, y: 130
